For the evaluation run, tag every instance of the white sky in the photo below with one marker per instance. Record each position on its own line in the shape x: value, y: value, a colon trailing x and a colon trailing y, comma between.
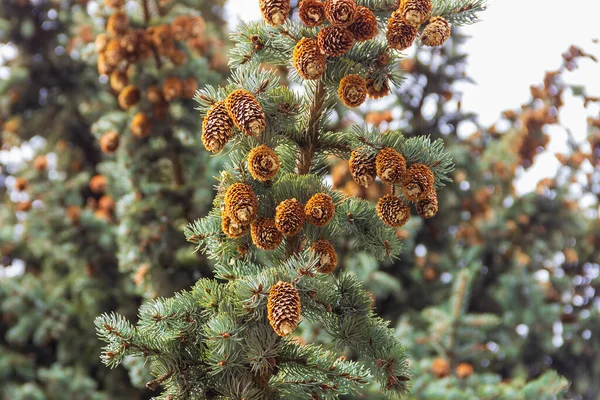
x: 516, y: 42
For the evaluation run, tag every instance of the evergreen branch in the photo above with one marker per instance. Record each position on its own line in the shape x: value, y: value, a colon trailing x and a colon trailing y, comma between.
x: 459, y: 12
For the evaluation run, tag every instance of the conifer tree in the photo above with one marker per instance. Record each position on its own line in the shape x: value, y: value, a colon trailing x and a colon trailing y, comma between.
x: 275, y: 224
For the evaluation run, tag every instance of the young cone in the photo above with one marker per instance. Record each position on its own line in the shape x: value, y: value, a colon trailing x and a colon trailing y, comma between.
x: 319, y: 209
x: 328, y: 258
x: 335, y: 41
x: 364, y: 26
x: 352, y: 90
x: 390, y: 165
x: 436, y: 32
x: 340, y: 12
x: 308, y: 59
x: 417, y: 182
x: 283, y: 307
x: 362, y: 167
x: 246, y: 112
x: 393, y: 211
x: 217, y: 127
x: 241, y: 204
x: 265, y: 234
x: 312, y: 12
x: 274, y: 12
x: 400, y: 34
x: 263, y: 163
x: 289, y: 217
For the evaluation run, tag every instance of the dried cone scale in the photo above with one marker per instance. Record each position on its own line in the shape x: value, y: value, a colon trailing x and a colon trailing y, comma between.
x: 265, y: 235
x: 416, y: 12
x: 233, y: 229
x: 217, y: 127
x: 335, y: 41
x: 364, y: 26
x: 417, y: 182
x: 319, y: 209
x: 328, y: 258
x: 246, y: 112
x: 428, y: 207
x: 289, y: 217
x: 391, y: 166
x: 283, y: 308
x: 312, y: 12
x: 436, y: 32
x: 340, y: 12
x: 308, y: 59
x: 393, y: 211
x: 352, y: 90
x: 263, y: 163
x: 241, y: 203
x: 400, y: 34
x: 362, y: 167
x: 274, y: 12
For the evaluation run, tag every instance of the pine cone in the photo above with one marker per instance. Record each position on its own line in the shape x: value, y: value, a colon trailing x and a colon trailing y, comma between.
x: 241, y: 203
x: 133, y: 45
x: 440, y: 367
x: 335, y: 41
x: 428, y: 207
x: 113, y: 53
x: 265, y: 235
x: 117, y: 24
x: 328, y: 258
x: 377, y: 93
x: 275, y: 12
x: 172, y: 88
x: 340, y: 12
x: 162, y: 38
x: 436, y: 32
x: 391, y: 166
x: 263, y: 163
x: 364, y: 26
x: 98, y: 184
x: 352, y: 90
x: 289, y: 217
x: 190, y: 86
x: 118, y: 80
x: 100, y: 42
x: 40, y: 163
x: 312, y: 12
x: 109, y: 142
x: 181, y: 27
x: 114, y: 3
x: 154, y: 94
x: 362, y: 167
x: 392, y: 211
x: 178, y: 57
x: 74, y: 214
x: 464, y: 370
x: 415, y: 12
x: 106, y: 203
x: 308, y: 59
x: 246, y: 112
x: 417, y: 182
x: 319, y: 209
x: 217, y: 127
x: 400, y: 34
x: 129, y: 97
x: 21, y: 184
x: 283, y: 308
x: 233, y: 229
x: 141, y: 126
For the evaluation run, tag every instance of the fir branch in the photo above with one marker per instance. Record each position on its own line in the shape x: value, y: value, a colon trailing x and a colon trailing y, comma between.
x: 459, y: 12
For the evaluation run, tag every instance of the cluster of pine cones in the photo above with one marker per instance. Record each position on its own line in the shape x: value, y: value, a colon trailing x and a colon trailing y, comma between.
x: 417, y: 182
x: 403, y: 25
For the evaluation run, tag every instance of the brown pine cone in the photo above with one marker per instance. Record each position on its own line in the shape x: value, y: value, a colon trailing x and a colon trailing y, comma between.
x: 129, y: 97
x: 162, y: 38
x: 428, y: 207
x: 440, y: 367
x: 246, y: 112
x: 141, y: 125
x: 340, y: 12
x: 416, y: 12
x: 118, y: 80
x: 400, y: 34
x: 436, y: 32
x: 73, y: 213
x: 392, y: 211
x: 181, y: 27
x: 364, y: 26
x: 319, y: 209
x: 134, y: 45
x: 417, y: 182
x: 197, y: 26
x: 283, y: 308
x: 326, y: 254
x: 154, y: 94
x: 335, y: 41
x: 178, y: 57
x: 308, y: 59
x: 263, y: 163
x: 109, y: 142
x: 117, y: 24
x: 100, y: 42
x: 312, y: 12
x: 391, y: 166
x: 232, y: 229
x: 98, y: 184
x: 362, y: 166
x: 274, y: 12
x: 464, y: 370
x: 241, y: 203
x: 190, y: 86
x: 114, y: 3
x: 21, y: 184
x: 217, y: 127
x: 289, y: 217
x: 265, y: 235
x: 113, y: 53
x: 172, y: 88
x: 352, y: 90
x: 375, y: 92
x: 106, y: 203
x: 40, y: 163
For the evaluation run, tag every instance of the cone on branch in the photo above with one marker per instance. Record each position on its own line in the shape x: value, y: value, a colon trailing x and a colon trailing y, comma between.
x: 117, y: 24
x: 113, y: 53
x: 98, y: 184
x: 440, y: 367
x: 308, y: 59
x: 21, y: 184
x: 118, y: 80
x: 109, y: 142
x: 335, y: 41
x: 326, y: 255
x: 376, y: 91
x: 417, y: 182
x: 263, y: 163
x: 428, y: 207
x: 319, y: 209
x: 233, y: 229
x: 416, y: 12
x: 114, y: 3
x: 241, y: 203
x: 436, y: 32
x: 312, y: 12
x: 283, y: 308
x: 289, y: 217
x: 340, y: 12
x: 172, y: 88
x: 265, y: 234
x: 464, y: 370
x: 246, y: 112
x: 352, y: 90
x: 217, y: 127
x: 190, y: 86
x: 390, y: 165
x: 40, y: 163
x: 364, y: 26
x: 275, y: 12
x: 393, y: 211
x: 362, y: 166
x: 400, y: 34
x: 141, y: 125
x: 129, y: 97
